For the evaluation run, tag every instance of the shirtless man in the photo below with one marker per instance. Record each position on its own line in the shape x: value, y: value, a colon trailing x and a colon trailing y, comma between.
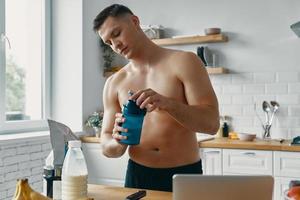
x: 174, y: 87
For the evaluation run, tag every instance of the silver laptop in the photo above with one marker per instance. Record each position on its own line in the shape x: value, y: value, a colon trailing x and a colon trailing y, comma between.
x: 204, y: 187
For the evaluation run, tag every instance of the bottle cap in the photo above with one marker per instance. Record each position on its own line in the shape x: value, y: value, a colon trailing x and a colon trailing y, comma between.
x: 74, y: 143
x: 132, y: 108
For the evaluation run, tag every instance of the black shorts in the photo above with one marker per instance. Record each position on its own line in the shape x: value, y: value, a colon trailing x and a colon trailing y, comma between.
x: 139, y: 176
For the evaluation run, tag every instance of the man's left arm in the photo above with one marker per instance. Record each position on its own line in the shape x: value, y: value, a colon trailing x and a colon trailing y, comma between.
x: 201, y: 113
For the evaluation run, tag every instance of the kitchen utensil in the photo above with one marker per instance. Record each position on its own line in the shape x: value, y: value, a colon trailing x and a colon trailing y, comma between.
x: 246, y: 136
x: 58, y: 144
x: 267, y: 128
x: 207, y: 56
x: 59, y: 135
x: 275, y: 108
x: 200, y: 54
x: 267, y: 109
x: 255, y: 109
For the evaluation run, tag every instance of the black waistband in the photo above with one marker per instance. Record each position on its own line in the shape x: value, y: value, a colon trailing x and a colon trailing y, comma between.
x: 197, y: 164
x: 140, y: 176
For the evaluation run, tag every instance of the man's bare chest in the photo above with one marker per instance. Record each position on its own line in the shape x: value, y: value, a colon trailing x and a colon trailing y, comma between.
x: 164, y: 85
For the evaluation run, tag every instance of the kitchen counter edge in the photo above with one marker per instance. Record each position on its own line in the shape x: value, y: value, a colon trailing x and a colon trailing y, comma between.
x: 257, y: 144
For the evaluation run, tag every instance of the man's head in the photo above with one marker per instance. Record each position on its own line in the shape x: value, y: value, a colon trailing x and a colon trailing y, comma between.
x: 119, y: 28
x: 115, y: 10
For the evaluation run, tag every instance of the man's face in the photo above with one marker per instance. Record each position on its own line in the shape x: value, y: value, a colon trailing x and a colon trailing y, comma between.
x: 120, y: 34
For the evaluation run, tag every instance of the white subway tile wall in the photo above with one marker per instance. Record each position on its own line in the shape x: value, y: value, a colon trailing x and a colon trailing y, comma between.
x: 238, y: 93
x: 22, y: 160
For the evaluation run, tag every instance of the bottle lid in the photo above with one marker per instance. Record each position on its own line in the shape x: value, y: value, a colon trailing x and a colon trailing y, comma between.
x: 74, y: 143
x: 132, y: 108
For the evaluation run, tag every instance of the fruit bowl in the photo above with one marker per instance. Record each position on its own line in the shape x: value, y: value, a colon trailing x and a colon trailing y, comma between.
x: 246, y: 136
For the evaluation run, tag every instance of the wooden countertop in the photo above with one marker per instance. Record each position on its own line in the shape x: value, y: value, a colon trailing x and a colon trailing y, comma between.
x: 257, y: 144
x: 103, y: 192
x: 90, y: 139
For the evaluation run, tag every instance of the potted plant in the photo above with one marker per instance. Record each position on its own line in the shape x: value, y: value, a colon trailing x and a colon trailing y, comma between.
x: 95, y: 121
x: 108, y: 56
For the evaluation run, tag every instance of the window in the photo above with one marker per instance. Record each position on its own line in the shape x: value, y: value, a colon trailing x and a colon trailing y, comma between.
x: 24, y: 65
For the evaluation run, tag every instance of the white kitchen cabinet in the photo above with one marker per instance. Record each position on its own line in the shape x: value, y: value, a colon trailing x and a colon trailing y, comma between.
x: 280, y: 185
x: 284, y: 166
x: 287, y: 164
x: 103, y: 170
x: 243, y: 161
x: 211, y: 161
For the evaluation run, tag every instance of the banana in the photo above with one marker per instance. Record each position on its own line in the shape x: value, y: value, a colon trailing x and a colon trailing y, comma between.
x: 17, y: 192
x: 25, y: 192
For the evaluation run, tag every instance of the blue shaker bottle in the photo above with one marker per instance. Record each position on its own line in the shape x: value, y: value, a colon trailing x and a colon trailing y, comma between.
x: 134, y: 117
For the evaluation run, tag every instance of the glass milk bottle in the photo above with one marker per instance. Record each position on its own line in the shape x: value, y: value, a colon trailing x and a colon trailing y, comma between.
x: 74, y: 173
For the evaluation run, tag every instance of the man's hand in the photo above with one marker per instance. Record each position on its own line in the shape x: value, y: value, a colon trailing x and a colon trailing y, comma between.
x: 119, y: 119
x: 150, y: 99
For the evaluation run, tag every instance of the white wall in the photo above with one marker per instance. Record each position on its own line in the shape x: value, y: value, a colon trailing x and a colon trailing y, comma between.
x: 259, y: 33
x: 238, y: 92
x: 76, y: 62
x: 93, y: 80
x: 67, y: 62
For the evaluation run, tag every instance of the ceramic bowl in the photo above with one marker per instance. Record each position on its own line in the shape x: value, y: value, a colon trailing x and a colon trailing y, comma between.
x: 246, y: 136
x: 212, y: 31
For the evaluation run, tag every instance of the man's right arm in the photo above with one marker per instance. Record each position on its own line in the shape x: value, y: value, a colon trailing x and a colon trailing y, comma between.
x: 110, y: 146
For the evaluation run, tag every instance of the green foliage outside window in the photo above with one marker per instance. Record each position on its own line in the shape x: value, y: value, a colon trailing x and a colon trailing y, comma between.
x: 15, y: 87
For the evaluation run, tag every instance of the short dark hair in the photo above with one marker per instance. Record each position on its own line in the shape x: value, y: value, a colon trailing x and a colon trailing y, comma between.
x: 114, y: 10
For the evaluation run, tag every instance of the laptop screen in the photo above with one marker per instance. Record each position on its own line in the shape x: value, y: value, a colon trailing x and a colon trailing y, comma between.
x: 217, y: 187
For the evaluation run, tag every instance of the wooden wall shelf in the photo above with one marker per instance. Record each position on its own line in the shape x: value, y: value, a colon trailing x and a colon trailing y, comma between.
x: 108, y: 74
x: 216, y: 70
x: 210, y: 70
x: 191, y: 40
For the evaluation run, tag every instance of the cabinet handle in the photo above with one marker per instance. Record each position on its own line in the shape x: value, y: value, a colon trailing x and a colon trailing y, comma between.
x: 249, y: 153
x: 212, y: 152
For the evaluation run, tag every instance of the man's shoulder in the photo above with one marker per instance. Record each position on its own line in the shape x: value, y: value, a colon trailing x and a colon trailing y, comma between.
x: 180, y: 55
x: 181, y: 58
x: 183, y: 62
x: 119, y: 75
